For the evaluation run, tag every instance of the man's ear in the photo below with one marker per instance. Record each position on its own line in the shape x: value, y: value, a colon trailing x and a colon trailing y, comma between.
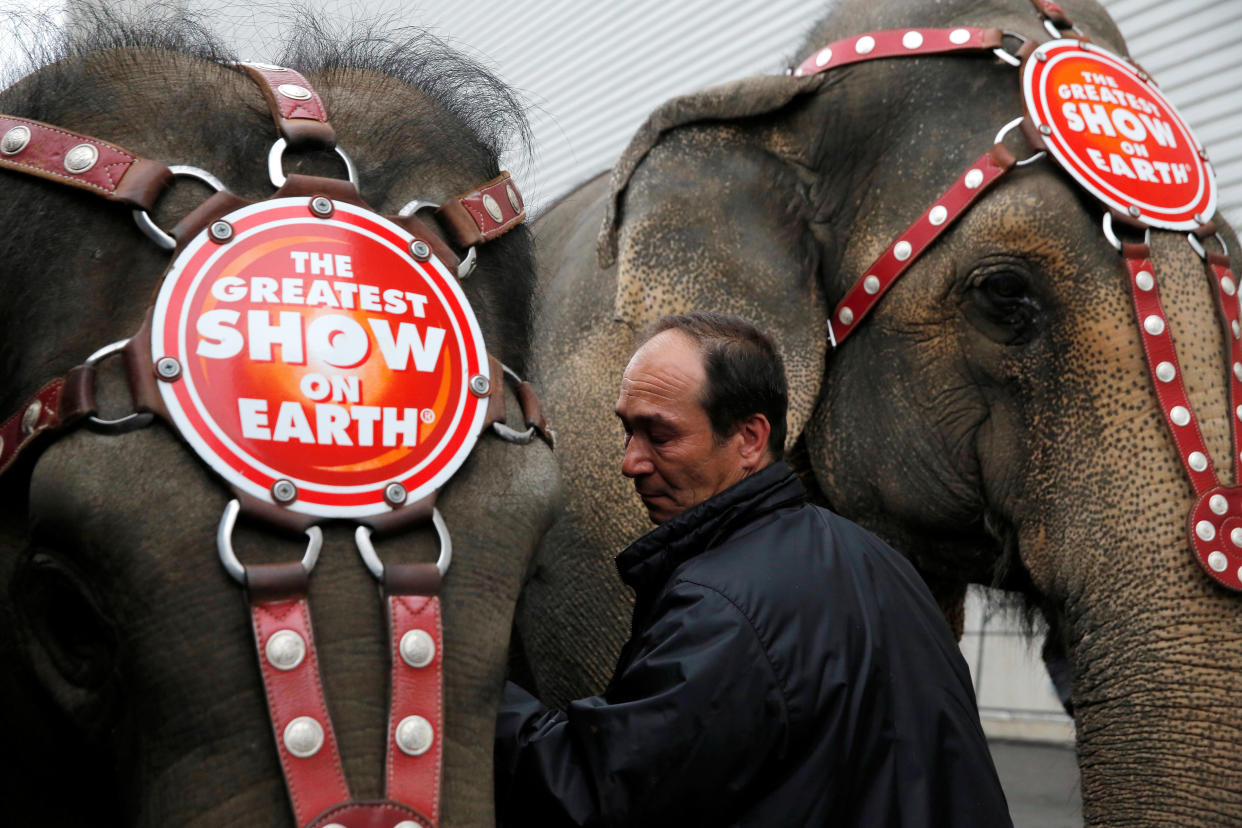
x: 752, y: 441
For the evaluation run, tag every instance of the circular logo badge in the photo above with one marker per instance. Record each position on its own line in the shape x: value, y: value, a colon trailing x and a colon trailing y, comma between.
x: 1115, y: 133
x: 314, y: 362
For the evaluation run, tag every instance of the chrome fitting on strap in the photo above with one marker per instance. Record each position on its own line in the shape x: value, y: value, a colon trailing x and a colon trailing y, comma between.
x: 362, y: 536
x: 224, y: 544
x: 130, y: 421
x: 276, y: 167
x: 1006, y: 55
x: 147, y: 225
x: 1005, y: 130
x: 1112, y: 237
x: 1198, y: 247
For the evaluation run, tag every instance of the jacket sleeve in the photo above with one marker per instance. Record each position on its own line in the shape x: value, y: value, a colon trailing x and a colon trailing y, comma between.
x: 683, y: 731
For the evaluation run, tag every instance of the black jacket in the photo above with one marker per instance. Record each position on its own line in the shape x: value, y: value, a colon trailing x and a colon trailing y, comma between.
x: 786, y: 668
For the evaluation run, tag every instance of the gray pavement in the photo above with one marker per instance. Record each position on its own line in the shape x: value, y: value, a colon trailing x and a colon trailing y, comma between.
x: 1041, y: 783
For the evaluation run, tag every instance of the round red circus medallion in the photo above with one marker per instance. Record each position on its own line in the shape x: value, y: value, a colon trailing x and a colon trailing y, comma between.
x: 313, y: 361
x: 1117, y: 135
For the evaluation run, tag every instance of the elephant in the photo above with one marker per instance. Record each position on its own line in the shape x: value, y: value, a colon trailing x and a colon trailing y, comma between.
x: 992, y: 419
x: 131, y: 690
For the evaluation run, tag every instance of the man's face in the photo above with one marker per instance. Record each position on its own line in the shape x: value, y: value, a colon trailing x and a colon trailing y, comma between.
x: 670, y: 450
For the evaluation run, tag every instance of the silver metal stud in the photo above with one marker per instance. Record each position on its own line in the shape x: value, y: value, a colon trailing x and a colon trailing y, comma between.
x: 395, y: 494
x: 1237, y: 330
x: 1044, y: 129
x: 1042, y: 57
x: 271, y: 67
x: 285, y: 649
x: 220, y: 231
x: 30, y: 417
x: 974, y: 178
x: 284, y: 491
x: 81, y: 158
x: 1227, y: 285
x: 959, y: 36
x: 1144, y: 280
x: 1154, y: 325
x: 912, y: 40
x: 1237, y: 370
x: 846, y: 316
x: 15, y: 140
x: 864, y: 45
x: 294, y: 92
x: 1, y: 446
x: 407, y: 823
x: 1179, y: 415
x: 417, y: 648
x: 1218, y: 561
x: 322, y: 206
x: 872, y: 285
x: 513, y: 198
x: 420, y: 250
x: 414, y: 735
x: 822, y: 58
x: 1218, y: 504
x: 1238, y: 412
x: 1198, y: 217
x: 1165, y: 372
x: 1235, y: 537
x: 1134, y: 211
x: 937, y: 215
x: 303, y: 737
x: 492, y: 208
x: 1197, y: 461
x: 1205, y: 530
x: 167, y: 368
x: 902, y: 250
x: 479, y: 385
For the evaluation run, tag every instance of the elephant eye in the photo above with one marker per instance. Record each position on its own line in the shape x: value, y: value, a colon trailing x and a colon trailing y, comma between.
x: 1002, y: 303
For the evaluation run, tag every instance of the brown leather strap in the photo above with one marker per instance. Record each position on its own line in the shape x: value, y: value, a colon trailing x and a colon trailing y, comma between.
x: 301, y: 118
x: 81, y: 161
x: 485, y: 212
x: 532, y: 411
x: 276, y: 581
x: 411, y: 579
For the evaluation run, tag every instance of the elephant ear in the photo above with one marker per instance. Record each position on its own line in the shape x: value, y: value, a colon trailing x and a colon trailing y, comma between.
x: 711, y: 209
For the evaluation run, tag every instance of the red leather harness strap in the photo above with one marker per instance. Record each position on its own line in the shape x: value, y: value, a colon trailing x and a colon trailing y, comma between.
x: 878, y: 278
x: 81, y: 161
x: 899, y: 43
x: 416, y: 708
x: 485, y: 212
x: 58, y: 404
x: 1231, y: 315
x: 299, y: 112
x: 305, y: 741
x: 1166, y: 373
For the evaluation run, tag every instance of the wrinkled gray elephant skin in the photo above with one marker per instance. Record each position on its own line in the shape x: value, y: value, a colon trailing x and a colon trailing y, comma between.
x: 993, y: 418
x: 131, y: 692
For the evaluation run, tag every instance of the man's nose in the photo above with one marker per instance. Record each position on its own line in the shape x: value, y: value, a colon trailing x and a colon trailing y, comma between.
x: 636, y: 460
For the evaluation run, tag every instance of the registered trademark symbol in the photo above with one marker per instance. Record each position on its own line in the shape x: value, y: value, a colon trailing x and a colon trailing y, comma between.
x: 427, y: 416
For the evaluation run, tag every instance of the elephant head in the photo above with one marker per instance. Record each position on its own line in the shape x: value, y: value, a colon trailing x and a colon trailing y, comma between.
x: 131, y: 681
x: 993, y: 418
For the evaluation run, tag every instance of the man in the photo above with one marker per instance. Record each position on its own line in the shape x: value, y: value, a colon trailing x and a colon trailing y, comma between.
x: 786, y: 668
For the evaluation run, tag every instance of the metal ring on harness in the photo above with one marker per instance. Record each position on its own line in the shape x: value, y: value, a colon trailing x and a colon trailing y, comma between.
x: 147, y: 225
x: 504, y: 432
x: 1006, y: 55
x: 468, y: 261
x: 1112, y: 237
x: 1198, y: 247
x: 1000, y: 136
x: 224, y: 544
x: 130, y: 421
x: 362, y: 536
x: 276, y: 171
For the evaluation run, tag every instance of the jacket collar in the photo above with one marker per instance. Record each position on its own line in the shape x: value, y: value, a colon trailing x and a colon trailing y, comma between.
x: 654, y: 556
